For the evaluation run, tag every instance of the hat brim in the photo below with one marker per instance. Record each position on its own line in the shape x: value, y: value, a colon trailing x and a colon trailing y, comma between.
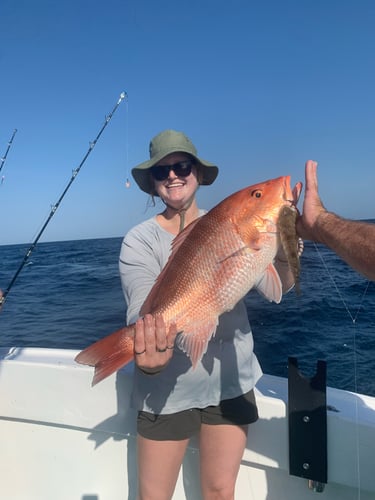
x: 142, y: 175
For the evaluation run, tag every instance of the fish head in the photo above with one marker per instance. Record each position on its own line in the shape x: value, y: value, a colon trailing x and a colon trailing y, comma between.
x: 256, y: 208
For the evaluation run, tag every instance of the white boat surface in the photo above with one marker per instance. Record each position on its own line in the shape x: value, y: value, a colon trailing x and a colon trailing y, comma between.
x: 62, y: 439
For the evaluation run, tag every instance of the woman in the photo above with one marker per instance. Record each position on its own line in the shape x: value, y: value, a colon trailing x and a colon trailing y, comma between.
x: 175, y: 401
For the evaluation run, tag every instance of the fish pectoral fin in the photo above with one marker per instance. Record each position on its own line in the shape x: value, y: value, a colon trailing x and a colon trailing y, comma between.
x: 270, y: 285
x: 195, y: 344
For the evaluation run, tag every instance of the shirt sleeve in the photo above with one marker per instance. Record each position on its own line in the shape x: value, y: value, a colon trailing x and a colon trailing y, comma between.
x: 139, y: 266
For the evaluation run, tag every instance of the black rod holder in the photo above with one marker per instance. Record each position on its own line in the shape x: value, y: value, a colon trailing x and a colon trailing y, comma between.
x: 307, y: 412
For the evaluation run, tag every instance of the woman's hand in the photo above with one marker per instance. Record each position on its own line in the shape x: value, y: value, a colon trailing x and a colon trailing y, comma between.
x: 153, y: 345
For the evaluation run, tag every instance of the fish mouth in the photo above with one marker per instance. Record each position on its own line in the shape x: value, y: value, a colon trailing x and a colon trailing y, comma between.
x: 296, y: 193
x: 292, y: 195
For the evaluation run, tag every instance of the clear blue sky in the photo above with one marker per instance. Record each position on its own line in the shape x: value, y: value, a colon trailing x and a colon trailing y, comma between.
x: 259, y: 86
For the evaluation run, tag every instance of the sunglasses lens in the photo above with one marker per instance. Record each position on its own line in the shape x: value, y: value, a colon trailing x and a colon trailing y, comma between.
x: 160, y: 172
x: 181, y: 169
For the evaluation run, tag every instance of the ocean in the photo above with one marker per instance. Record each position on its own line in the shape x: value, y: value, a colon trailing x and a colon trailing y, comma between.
x: 69, y: 295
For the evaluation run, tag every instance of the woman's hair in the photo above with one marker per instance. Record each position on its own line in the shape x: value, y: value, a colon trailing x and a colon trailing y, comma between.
x: 199, y: 173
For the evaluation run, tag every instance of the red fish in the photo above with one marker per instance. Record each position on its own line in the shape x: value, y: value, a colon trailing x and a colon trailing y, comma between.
x: 214, y: 262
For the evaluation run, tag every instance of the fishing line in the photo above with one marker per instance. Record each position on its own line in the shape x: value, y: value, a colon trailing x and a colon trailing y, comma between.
x: 2, y: 161
x: 54, y: 207
x: 127, y: 182
x: 355, y: 366
x: 353, y: 318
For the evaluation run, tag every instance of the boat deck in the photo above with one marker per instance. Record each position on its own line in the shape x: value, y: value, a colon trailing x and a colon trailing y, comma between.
x: 65, y: 440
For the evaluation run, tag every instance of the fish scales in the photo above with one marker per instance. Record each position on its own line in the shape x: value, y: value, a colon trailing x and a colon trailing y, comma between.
x: 217, y: 277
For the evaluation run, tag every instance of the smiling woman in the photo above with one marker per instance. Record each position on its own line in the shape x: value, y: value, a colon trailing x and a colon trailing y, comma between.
x: 174, y: 173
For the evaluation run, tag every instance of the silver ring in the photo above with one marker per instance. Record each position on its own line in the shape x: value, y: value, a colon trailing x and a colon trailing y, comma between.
x: 139, y: 353
x: 171, y: 347
x: 161, y: 350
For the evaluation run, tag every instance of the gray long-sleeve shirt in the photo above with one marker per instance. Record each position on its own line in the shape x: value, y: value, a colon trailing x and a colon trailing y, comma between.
x: 228, y: 369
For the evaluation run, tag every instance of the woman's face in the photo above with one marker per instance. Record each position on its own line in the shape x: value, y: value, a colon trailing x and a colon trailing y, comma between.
x: 176, y: 190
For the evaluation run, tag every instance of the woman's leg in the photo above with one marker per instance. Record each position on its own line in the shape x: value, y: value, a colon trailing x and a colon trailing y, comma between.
x: 159, y: 463
x: 221, y: 450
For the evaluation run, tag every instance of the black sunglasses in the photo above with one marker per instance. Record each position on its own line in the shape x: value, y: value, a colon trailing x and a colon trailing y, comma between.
x: 181, y: 169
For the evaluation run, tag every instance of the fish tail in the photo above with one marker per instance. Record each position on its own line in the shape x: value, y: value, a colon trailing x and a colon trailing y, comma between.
x: 109, y: 354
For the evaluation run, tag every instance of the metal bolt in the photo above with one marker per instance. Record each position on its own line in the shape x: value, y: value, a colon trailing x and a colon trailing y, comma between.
x: 306, y: 466
x: 306, y: 419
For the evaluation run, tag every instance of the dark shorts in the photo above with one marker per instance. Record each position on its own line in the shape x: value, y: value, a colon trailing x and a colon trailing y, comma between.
x: 184, y: 424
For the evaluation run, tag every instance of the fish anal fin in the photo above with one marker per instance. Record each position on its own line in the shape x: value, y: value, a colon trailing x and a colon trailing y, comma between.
x: 194, y: 341
x: 109, y: 354
x: 270, y: 285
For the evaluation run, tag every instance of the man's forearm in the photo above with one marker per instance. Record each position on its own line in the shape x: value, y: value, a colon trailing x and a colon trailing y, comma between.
x: 353, y: 241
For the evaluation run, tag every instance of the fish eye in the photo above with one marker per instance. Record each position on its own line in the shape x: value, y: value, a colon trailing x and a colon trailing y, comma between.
x: 257, y: 193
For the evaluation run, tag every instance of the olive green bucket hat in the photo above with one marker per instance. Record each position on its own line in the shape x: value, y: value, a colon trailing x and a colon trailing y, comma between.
x: 165, y: 143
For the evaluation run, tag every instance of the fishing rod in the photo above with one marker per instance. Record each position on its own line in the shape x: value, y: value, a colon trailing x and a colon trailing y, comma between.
x: 54, y: 207
x: 2, y: 161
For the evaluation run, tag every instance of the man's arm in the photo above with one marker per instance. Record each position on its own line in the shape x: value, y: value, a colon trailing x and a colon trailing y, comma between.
x: 353, y: 241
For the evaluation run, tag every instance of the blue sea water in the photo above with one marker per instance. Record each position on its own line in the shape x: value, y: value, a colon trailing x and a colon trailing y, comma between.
x: 69, y: 295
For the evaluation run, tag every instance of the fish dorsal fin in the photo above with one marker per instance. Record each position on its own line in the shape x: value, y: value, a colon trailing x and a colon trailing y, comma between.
x: 195, y: 342
x: 270, y: 285
x: 181, y: 237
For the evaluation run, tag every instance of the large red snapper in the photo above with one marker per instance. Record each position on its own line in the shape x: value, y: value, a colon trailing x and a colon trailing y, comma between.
x: 214, y: 262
